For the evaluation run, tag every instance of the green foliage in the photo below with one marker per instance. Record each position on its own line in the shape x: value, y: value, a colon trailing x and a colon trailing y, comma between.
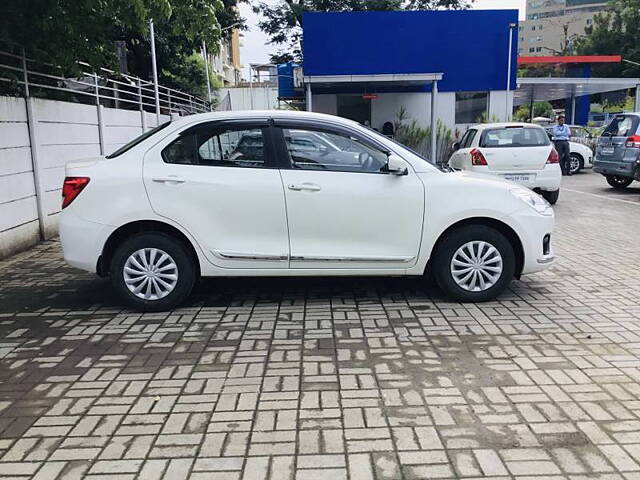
x: 64, y: 31
x: 614, y: 32
x: 408, y: 131
x: 540, y: 109
x: 485, y: 118
x: 282, y: 20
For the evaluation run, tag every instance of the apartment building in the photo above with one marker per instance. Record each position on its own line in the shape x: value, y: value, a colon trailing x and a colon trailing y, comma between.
x: 552, y: 26
x: 226, y: 63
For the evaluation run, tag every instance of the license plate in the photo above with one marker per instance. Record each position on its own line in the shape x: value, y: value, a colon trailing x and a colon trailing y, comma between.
x: 518, y: 178
x: 608, y: 150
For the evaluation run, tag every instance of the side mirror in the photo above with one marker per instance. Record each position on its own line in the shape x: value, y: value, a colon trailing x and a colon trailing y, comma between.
x: 395, y: 166
x: 455, y: 146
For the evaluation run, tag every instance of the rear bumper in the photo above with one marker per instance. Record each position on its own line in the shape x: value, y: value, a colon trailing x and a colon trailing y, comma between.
x: 622, y: 169
x: 548, y: 179
x: 82, y: 241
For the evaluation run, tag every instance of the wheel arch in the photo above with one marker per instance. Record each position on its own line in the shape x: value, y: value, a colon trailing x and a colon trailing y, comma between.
x: 496, y: 224
x: 142, y: 226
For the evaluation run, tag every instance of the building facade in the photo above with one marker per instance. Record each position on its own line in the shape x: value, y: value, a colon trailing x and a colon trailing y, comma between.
x: 226, y: 63
x: 368, y: 66
x: 552, y: 26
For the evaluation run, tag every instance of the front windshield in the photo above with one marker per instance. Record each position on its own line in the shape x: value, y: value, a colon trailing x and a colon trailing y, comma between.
x: 138, y: 140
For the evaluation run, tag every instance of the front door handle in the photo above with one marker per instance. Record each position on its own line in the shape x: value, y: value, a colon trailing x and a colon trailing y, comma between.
x: 168, y: 179
x: 308, y: 187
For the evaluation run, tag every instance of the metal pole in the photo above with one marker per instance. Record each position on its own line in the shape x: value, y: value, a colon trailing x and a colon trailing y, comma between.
x: 154, y: 68
x: 434, y: 127
x: 573, y: 109
x: 506, y: 102
x: 206, y: 68
x: 100, y: 120
x: 141, y: 107
x: 25, y: 73
x: 250, y: 86
x: 637, y: 104
x: 309, y: 98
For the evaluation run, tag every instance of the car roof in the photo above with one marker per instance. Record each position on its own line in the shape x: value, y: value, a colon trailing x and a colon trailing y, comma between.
x: 484, y: 126
x: 276, y: 114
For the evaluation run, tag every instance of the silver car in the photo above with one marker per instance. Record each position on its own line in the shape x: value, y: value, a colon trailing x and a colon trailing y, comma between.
x: 618, y: 151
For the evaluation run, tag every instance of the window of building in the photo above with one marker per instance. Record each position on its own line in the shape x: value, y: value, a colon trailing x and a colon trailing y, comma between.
x: 533, y: 28
x: 589, y: 21
x: 470, y: 106
x: 538, y: 38
x: 539, y: 49
x: 532, y: 50
x: 539, y: 27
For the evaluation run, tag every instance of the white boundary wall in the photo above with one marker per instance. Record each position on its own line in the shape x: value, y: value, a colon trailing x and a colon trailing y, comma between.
x: 46, y: 134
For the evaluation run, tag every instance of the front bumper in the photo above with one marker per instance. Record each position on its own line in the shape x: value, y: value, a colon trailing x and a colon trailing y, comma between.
x: 536, y: 235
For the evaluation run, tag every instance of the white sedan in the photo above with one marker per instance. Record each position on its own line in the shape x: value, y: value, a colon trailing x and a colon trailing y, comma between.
x: 519, y: 152
x: 240, y: 194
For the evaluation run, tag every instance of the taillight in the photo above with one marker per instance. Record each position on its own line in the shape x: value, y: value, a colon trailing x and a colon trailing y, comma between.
x: 633, y: 142
x: 477, y: 158
x: 71, y: 189
x: 553, y: 156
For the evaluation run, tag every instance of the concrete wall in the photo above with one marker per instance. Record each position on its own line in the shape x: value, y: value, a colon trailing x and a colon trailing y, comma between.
x: 244, y: 98
x: 46, y: 134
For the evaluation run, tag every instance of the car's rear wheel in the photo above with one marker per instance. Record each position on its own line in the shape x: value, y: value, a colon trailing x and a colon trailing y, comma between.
x: 473, y: 263
x: 616, y: 181
x: 152, y: 272
x: 576, y: 163
x: 551, y: 197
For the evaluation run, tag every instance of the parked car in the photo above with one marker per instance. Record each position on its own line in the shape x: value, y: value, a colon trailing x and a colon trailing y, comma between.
x: 580, y: 152
x: 228, y: 194
x: 618, y: 151
x: 519, y: 152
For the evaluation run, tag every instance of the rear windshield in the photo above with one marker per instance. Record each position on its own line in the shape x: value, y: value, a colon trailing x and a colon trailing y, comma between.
x: 621, y: 126
x: 138, y: 140
x: 514, y: 137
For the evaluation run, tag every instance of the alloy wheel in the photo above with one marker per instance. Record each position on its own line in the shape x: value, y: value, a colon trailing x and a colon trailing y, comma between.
x: 150, y: 273
x: 476, y: 266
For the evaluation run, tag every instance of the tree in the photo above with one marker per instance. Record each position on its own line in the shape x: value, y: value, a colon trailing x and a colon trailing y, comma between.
x: 282, y: 21
x: 61, y: 32
x: 614, y: 32
x: 540, y: 109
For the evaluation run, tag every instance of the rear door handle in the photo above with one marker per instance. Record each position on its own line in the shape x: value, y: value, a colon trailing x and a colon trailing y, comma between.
x: 168, y: 179
x: 308, y: 187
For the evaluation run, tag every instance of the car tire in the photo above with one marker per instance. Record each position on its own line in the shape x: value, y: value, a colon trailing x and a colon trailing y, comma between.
x: 496, y: 270
x: 576, y: 163
x: 618, y: 182
x: 158, y: 264
x: 551, y: 197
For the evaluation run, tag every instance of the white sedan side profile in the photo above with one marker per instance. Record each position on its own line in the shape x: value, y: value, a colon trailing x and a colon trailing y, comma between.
x: 280, y: 193
x: 519, y: 152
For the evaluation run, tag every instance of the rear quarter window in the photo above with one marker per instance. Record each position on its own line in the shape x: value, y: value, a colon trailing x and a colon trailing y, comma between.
x: 622, y: 126
x: 512, y: 137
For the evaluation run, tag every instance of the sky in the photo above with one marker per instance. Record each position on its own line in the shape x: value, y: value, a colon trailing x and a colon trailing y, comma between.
x: 255, y: 48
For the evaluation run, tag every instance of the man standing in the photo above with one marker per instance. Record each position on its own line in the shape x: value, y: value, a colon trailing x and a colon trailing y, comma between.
x: 561, y: 134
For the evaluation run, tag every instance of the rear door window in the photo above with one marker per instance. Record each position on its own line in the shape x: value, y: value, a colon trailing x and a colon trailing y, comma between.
x: 514, y: 137
x: 622, y: 126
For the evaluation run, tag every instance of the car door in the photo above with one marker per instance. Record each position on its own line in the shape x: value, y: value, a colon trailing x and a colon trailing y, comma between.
x: 343, y: 211
x: 220, y: 182
x: 461, y: 158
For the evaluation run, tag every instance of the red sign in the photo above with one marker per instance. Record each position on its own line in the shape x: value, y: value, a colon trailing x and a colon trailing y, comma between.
x: 369, y: 96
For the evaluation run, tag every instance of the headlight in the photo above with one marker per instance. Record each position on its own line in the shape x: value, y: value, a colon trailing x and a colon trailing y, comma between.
x: 534, y: 200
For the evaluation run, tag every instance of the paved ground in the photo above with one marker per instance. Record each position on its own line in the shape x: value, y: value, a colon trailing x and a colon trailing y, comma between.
x: 350, y: 378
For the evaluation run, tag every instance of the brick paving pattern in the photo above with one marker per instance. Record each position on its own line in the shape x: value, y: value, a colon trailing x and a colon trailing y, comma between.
x: 335, y: 379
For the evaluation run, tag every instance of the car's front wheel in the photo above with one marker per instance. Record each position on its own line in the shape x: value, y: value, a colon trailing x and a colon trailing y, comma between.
x: 474, y: 263
x: 152, y: 272
x: 618, y: 182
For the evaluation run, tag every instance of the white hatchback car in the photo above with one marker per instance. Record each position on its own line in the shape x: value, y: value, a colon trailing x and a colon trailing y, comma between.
x: 519, y: 152
x: 289, y: 194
